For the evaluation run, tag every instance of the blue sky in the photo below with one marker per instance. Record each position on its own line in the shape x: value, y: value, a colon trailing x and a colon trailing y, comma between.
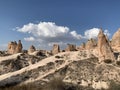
x: 74, y: 16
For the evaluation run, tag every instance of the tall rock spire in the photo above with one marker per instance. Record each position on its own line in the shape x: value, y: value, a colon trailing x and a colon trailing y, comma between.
x: 104, y: 48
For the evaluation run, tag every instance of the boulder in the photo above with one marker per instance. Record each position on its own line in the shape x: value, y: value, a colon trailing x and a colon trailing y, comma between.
x: 104, y: 48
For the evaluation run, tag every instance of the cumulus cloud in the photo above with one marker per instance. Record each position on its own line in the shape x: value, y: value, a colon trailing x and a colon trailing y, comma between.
x: 48, y: 33
x: 92, y: 33
x: 44, y: 29
x: 75, y: 35
x: 29, y: 39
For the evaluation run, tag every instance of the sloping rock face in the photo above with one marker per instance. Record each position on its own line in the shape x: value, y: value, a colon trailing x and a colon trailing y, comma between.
x: 85, y: 72
x: 115, y: 42
x: 104, y: 49
x: 18, y: 62
x: 91, y: 44
x: 13, y: 47
x: 32, y: 49
x: 70, y: 47
x: 89, y: 73
x: 56, y: 49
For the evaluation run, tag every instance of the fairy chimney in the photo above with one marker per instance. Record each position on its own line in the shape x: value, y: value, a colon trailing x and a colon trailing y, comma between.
x: 56, y: 49
x: 32, y: 49
x: 19, y: 47
x: 12, y: 47
x: 115, y: 42
x: 81, y: 47
x: 104, y: 48
x: 71, y: 47
x: 91, y: 44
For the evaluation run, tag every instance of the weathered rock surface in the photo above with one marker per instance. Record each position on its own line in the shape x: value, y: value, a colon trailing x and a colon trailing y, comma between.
x: 91, y: 44
x: 115, y: 42
x: 32, y: 49
x: 18, y: 61
x: 13, y: 47
x: 19, y: 47
x: 81, y: 47
x: 79, y: 67
x: 104, y: 48
x: 70, y: 47
x: 56, y: 49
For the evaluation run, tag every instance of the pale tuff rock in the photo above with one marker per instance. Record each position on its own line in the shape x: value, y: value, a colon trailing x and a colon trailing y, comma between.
x: 104, y: 49
x: 70, y: 47
x: 81, y: 47
x: 19, y: 47
x: 115, y: 42
x: 91, y: 44
x: 32, y: 49
x: 13, y: 47
x: 56, y: 49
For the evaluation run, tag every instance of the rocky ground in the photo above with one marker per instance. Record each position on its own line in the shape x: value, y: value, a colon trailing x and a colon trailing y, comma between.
x: 77, y: 68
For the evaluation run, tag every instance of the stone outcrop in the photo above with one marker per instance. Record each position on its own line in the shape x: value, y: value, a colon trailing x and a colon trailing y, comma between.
x: 19, y: 47
x: 13, y: 47
x: 104, y: 48
x: 70, y: 47
x: 81, y: 47
x: 32, y: 49
x: 56, y: 49
x: 91, y: 44
x: 115, y: 42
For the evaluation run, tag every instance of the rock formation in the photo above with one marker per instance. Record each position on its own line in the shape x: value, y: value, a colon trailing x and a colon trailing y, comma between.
x: 56, y: 49
x: 31, y: 49
x: 104, y: 49
x: 81, y: 47
x: 19, y: 47
x: 115, y: 42
x: 71, y: 47
x: 91, y: 44
x: 13, y: 47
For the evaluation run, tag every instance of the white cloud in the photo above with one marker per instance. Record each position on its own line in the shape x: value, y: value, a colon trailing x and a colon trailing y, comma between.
x: 92, y: 33
x: 106, y: 32
x: 29, y: 39
x: 44, y: 29
x: 74, y: 34
x: 48, y: 33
